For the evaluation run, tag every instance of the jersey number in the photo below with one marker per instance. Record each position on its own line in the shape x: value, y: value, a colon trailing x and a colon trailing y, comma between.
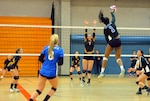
x: 51, y: 57
x: 112, y: 29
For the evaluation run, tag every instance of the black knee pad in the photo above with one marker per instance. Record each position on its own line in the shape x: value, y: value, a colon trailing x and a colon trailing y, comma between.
x: 54, y: 89
x: 39, y: 92
x: 84, y: 71
x: 79, y: 72
x: 148, y: 79
x: 16, y: 77
x: 137, y: 82
x: 138, y: 75
x: 89, y: 72
x: 70, y: 73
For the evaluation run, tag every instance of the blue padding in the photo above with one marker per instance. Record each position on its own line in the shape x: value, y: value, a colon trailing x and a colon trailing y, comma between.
x: 129, y: 43
x: 78, y: 38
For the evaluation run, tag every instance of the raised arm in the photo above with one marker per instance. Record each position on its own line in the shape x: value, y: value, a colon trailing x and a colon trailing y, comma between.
x: 113, y: 17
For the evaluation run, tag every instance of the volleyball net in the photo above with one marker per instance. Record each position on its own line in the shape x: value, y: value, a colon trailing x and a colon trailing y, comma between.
x: 33, y: 38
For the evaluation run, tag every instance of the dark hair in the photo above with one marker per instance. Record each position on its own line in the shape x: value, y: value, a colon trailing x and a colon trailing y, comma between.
x: 18, y: 50
x: 103, y: 19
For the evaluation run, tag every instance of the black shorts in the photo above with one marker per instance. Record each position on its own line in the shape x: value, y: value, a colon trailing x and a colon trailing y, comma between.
x: 74, y: 66
x: 48, y: 77
x: 88, y: 57
x: 147, y: 74
x: 115, y: 43
x: 9, y: 68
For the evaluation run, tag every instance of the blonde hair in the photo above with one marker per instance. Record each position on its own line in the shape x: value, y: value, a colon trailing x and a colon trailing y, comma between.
x: 53, y: 41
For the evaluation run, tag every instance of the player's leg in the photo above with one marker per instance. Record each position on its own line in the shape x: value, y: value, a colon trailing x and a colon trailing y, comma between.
x: 79, y: 72
x: 71, y: 70
x: 84, y: 66
x: 108, y: 50
x: 41, y: 86
x: 90, y: 66
x: 119, y: 61
x: 16, y: 78
x: 54, y: 83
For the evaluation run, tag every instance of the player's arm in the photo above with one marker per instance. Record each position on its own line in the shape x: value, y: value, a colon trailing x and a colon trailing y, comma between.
x: 41, y: 58
x: 85, y: 35
x: 60, y: 61
x: 113, y: 17
x: 94, y: 30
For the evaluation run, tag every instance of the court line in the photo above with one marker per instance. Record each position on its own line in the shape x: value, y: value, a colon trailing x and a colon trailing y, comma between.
x: 24, y: 92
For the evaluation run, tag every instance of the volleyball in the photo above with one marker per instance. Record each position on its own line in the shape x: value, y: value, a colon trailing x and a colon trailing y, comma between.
x: 113, y: 7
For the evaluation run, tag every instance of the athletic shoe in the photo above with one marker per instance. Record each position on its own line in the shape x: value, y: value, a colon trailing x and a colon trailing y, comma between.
x: 88, y: 83
x: 16, y: 90
x: 1, y: 77
x: 138, y: 92
x: 148, y: 91
x: 82, y: 83
x: 122, y: 73
x: 11, y: 90
x: 101, y: 75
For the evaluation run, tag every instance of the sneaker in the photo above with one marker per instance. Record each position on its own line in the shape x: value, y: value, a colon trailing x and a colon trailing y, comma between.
x: 138, y: 92
x: 1, y: 77
x: 11, y: 90
x: 101, y: 75
x: 148, y: 91
x: 82, y: 83
x: 88, y: 83
x: 122, y: 73
x: 16, y: 90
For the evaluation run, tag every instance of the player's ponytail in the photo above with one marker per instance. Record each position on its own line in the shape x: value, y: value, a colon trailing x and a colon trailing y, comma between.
x: 103, y: 19
x: 53, y: 42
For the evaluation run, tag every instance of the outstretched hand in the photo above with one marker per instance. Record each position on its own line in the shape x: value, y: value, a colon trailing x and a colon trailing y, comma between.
x: 86, y: 22
x: 94, y: 22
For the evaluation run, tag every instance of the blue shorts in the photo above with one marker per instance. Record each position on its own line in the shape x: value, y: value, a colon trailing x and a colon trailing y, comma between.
x: 52, y: 77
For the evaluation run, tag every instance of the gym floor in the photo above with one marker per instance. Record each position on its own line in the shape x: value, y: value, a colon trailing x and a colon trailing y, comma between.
x: 110, y: 88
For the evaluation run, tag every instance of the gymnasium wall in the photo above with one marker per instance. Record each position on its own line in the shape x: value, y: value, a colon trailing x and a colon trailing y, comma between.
x: 129, y: 43
x: 31, y: 40
x: 130, y: 13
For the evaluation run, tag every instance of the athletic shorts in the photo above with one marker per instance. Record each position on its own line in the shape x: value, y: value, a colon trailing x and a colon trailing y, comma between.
x: 88, y: 57
x: 74, y: 66
x: 9, y: 68
x: 147, y: 73
x: 52, y: 77
x: 115, y: 43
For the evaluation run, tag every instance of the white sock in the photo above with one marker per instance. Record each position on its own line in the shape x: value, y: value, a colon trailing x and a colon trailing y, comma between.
x: 102, y: 70
x: 121, y: 67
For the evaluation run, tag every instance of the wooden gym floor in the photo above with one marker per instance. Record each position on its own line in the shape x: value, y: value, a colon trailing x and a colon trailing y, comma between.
x: 111, y: 88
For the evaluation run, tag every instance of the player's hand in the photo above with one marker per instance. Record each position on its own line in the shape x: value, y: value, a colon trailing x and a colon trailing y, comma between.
x: 86, y: 22
x: 94, y: 22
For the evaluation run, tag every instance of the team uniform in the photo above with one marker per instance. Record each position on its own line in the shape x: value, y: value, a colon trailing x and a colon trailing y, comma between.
x: 144, y: 65
x: 111, y: 33
x: 49, y: 66
x: 89, y: 45
x: 75, y: 61
x: 11, y: 64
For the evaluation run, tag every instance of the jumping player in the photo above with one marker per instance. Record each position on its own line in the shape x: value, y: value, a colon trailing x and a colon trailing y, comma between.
x: 88, y: 61
x: 50, y: 57
x: 113, y: 42
x: 75, y: 65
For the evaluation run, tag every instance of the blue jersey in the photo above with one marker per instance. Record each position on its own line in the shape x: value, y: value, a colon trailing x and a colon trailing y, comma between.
x: 49, y: 66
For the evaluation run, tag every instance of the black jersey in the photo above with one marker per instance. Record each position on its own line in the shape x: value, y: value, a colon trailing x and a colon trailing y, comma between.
x: 110, y: 30
x: 144, y: 64
x: 89, y: 44
x: 16, y: 60
x: 75, y: 61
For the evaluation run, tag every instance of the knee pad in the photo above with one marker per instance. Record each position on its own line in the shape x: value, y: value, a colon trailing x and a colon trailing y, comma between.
x: 148, y: 79
x: 79, y: 72
x: 137, y: 75
x: 70, y: 73
x: 84, y: 71
x: 16, y: 77
x: 54, y: 89
x: 89, y: 72
x: 105, y: 58
x: 118, y: 60
x: 39, y: 92
x: 137, y: 82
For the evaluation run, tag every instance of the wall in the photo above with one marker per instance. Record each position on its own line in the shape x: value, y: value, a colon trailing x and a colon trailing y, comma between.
x: 131, y: 13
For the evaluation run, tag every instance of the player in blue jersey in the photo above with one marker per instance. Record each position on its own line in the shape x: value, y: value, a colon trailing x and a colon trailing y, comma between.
x: 113, y: 42
x: 50, y: 57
